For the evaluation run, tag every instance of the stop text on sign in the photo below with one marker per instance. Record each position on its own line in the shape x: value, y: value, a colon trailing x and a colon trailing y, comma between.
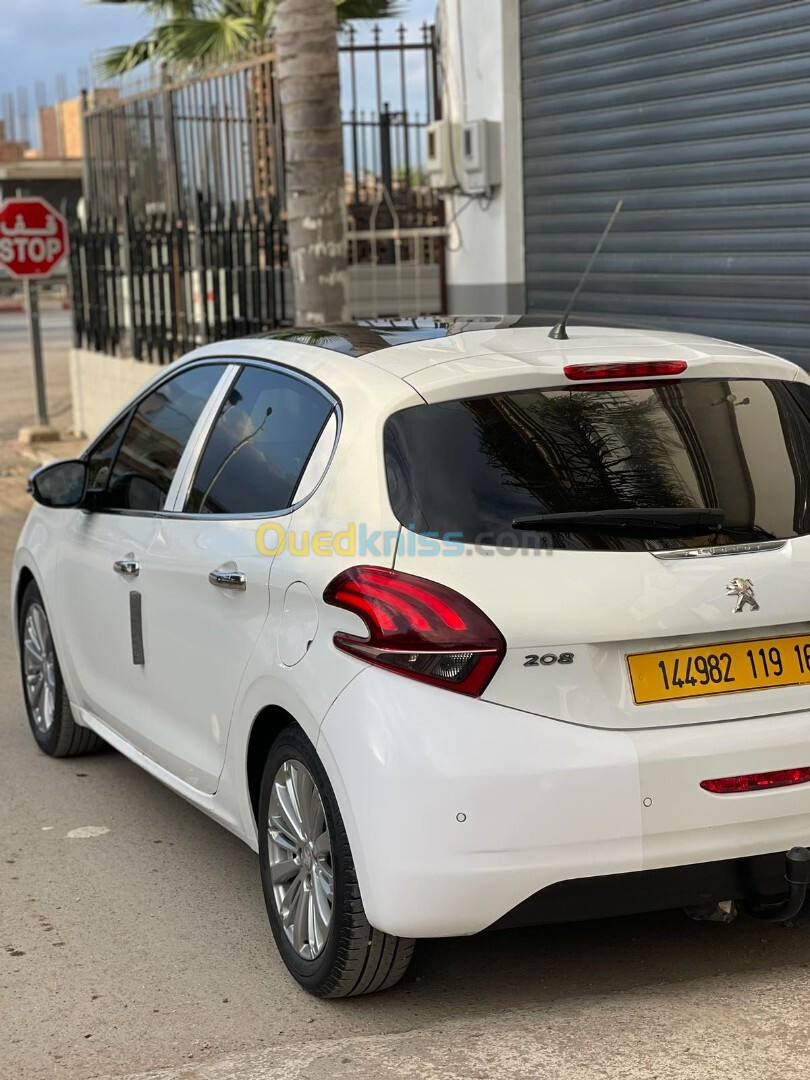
x: 33, y: 249
x: 33, y: 237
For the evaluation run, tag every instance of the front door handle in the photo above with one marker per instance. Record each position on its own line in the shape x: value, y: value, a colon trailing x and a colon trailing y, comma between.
x: 225, y: 578
x: 128, y: 566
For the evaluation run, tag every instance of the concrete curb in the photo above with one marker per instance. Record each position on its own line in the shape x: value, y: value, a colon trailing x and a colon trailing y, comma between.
x: 46, y: 453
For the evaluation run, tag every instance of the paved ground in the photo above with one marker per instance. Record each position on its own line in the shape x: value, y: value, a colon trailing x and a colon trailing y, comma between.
x: 17, y: 401
x: 144, y: 951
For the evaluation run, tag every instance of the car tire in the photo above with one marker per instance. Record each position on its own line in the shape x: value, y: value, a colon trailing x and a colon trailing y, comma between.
x: 338, y: 956
x: 52, y: 725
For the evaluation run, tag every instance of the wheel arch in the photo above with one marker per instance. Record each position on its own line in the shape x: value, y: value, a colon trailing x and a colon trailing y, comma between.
x: 266, y: 726
x: 24, y: 579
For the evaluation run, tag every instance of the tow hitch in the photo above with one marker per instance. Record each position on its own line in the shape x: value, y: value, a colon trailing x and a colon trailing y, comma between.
x: 797, y: 875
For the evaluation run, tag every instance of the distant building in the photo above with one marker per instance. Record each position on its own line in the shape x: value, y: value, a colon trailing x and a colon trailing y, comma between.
x: 11, y: 150
x: 54, y: 170
x: 60, y: 124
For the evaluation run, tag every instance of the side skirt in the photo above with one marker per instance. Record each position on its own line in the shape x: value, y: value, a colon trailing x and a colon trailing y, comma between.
x: 209, y: 804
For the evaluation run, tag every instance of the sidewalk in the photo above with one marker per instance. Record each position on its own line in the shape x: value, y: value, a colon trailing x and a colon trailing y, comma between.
x: 17, y: 401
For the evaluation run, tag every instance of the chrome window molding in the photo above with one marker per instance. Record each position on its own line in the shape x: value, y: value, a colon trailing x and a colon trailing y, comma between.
x: 199, y: 438
x: 319, y: 460
x: 722, y: 549
x: 176, y: 496
x: 129, y: 408
x: 200, y: 447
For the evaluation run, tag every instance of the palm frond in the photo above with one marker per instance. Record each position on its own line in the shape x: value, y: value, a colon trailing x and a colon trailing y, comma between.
x: 122, y: 59
x: 213, y: 39
x: 368, y: 9
x: 262, y: 12
x: 162, y: 9
x: 215, y: 31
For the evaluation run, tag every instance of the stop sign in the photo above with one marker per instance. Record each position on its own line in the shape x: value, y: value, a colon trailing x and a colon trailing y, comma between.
x: 33, y: 237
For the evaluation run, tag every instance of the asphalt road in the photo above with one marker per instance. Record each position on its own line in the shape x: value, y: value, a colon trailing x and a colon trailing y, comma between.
x: 144, y: 951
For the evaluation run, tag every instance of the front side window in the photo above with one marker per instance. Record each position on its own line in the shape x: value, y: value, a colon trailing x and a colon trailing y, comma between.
x: 738, y: 448
x: 101, y: 457
x: 156, y: 437
x: 259, y: 445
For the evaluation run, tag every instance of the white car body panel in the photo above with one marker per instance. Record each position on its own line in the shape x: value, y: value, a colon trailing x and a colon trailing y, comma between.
x: 194, y: 677
x: 411, y: 758
x: 551, y: 769
x: 93, y: 604
x: 625, y: 602
x: 426, y: 874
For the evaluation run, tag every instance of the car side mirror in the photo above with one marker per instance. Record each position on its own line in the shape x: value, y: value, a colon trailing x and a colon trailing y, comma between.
x: 60, y: 485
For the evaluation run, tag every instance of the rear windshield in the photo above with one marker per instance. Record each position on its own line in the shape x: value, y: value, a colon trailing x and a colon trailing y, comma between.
x: 466, y: 470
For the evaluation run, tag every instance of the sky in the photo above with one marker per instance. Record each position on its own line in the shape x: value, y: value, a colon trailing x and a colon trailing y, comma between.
x: 43, y: 39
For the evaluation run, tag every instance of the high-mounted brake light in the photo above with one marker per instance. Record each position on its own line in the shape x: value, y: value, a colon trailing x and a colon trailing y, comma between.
x: 417, y: 628
x: 640, y: 369
x: 735, y: 785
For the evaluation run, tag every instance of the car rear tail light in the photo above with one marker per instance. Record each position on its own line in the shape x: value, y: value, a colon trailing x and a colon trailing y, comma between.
x: 417, y: 628
x: 734, y: 785
x: 640, y: 369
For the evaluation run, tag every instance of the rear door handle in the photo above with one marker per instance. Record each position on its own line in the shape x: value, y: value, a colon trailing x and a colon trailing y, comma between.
x: 128, y: 566
x: 228, y: 579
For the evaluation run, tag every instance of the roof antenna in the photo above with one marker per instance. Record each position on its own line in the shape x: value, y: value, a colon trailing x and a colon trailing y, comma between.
x: 559, y: 333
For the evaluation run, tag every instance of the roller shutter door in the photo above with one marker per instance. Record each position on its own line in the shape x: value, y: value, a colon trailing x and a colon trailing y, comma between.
x: 697, y: 112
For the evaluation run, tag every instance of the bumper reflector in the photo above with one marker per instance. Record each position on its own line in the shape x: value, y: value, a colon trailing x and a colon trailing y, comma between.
x: 735, y: 785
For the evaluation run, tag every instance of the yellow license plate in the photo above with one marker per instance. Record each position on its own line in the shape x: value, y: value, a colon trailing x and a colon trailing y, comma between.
x: 727, y: 668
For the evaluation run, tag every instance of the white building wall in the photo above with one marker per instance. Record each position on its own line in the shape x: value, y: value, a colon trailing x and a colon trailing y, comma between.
x: 480, y: 49
x: 100, y: 385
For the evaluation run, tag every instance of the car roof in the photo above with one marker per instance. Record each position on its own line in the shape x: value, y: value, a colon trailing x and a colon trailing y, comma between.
x: 367, y: 336
x: 445, y: 356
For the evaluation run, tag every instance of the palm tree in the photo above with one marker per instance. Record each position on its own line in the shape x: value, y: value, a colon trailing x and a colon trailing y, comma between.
x: 215, y: 31
x: 309, y: 89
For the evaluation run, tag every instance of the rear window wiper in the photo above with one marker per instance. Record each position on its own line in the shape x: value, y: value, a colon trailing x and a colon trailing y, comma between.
x: 667, y: 520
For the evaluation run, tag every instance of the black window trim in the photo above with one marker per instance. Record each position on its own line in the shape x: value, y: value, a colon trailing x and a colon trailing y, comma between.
x: 202, y: 441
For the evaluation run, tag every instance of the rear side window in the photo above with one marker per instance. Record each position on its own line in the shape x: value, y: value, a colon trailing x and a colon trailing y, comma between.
x: 470, y: 468
x: 156, y: 437
x: 259, y: 445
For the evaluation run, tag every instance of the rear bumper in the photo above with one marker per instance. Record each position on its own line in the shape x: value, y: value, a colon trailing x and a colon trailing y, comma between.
x: 459, y: 811
x: 651, y: 890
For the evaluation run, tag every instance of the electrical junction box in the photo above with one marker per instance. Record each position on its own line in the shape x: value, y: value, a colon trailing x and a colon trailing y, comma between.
x: 480, y: 155
x: 443, y: 155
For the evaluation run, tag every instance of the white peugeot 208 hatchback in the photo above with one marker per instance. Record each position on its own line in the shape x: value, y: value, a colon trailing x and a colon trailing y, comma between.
x: 458, y: 625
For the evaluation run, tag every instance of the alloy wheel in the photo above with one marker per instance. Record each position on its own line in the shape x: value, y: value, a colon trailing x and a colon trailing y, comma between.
x: 39, y: 665
x: 300, y: 856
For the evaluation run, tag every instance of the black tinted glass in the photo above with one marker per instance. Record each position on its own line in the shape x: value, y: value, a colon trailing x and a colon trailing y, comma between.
x: 100, y: 460
x: 259, y: 445
x: 155, y: 440
x: 471, y: 467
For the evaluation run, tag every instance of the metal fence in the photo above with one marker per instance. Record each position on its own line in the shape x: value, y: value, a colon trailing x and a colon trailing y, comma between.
x: 396, y: 230
x: 156, y: 285
x: 216, y: 133
x: 390, y: 93
x: 184, y: 236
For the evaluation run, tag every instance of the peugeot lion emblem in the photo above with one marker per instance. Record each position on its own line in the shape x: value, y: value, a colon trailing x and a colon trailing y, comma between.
x: 744, y: 591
